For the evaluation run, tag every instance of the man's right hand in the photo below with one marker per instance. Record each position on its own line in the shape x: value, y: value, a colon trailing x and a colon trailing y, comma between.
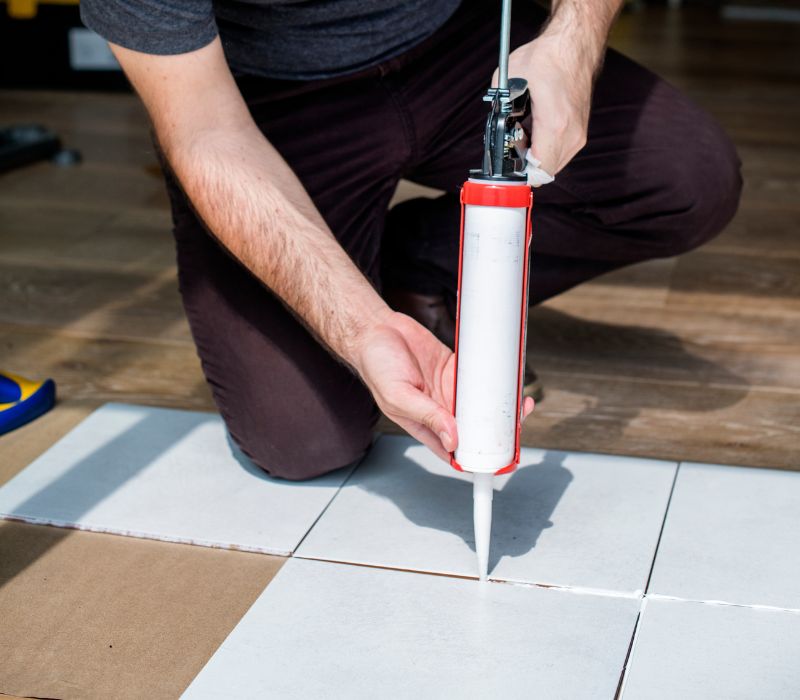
x: 410, y: 374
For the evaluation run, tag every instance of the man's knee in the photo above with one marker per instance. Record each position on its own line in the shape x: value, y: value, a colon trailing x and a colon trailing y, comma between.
x: 702, y: 188
x: 303, y: 456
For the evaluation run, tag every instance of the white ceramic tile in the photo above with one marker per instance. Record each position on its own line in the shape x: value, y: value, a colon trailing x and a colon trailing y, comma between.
x: 696, y: 651
x: 563, y: 518
x: 164, y: 474
x: 324, y: 630
x: 732, y: 534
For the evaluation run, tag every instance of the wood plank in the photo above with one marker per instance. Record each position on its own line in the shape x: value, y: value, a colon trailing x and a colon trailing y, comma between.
x: 612, y: 415
x: 734, y: 281
x: 762, y: 230
x: 99, y: 370
x: 690, y: 348
x: 97, y: 185
x: 128, y: 240
x: 106, y: 304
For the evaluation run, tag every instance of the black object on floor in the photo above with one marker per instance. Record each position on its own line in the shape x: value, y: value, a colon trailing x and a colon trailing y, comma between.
x: 27, y: 143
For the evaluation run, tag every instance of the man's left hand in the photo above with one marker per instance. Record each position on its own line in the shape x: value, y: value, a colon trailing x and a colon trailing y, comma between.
x: 560, y: 66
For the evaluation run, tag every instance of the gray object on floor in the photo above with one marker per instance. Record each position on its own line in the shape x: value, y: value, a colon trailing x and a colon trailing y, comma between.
x: 733, y: 535
x: 324, y: 630
x: 166, y: 475
x: 697, y: 651
x: 568, y: 519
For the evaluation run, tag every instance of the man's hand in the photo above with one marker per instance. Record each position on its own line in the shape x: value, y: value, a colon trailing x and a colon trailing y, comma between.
x: 411, y: 374
x: 560, y: 66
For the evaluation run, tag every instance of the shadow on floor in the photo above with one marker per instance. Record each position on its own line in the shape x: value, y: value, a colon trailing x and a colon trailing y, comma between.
x: 652, y: 369
x: 522, y: 507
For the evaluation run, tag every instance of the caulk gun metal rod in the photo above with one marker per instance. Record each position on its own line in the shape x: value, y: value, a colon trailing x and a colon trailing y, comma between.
x: 505, y: 44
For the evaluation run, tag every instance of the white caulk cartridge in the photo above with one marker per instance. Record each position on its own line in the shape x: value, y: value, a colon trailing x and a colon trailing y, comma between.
x: 491, y: 321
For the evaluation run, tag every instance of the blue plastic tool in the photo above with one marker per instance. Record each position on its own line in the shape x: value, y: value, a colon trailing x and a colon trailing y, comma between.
x: 22, y: 400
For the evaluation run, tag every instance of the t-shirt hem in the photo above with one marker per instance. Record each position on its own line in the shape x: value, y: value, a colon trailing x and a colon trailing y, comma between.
x: 153, y: 42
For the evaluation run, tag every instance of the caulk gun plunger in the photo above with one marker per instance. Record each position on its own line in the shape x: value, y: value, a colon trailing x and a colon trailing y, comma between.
x: 505, y: 45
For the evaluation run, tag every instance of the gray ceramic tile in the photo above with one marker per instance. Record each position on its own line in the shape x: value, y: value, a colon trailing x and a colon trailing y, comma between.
x: 563, y: 518
x: 323, y: 630
x: 164, y: 474
x: 732, y: 534
x: 696, y: 651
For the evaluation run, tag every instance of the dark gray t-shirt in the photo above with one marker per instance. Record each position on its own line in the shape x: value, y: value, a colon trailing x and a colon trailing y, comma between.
x: 291, y: 39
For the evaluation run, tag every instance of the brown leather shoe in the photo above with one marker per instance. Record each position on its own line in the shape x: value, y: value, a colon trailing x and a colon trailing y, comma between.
x: 433, y: 312
x: 532, y: 384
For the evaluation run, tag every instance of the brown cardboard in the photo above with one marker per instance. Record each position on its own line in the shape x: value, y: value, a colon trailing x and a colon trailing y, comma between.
x: 21, y: 446
x: 87, y: 615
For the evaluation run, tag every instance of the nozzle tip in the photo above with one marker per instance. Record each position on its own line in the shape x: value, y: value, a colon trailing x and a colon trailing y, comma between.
x: 482, y: 514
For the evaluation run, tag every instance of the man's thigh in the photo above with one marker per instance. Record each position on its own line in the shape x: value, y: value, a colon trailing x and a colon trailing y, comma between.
x: 346, y: 142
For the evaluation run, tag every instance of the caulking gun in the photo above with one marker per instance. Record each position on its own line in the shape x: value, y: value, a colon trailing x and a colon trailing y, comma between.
x: 492, y: 308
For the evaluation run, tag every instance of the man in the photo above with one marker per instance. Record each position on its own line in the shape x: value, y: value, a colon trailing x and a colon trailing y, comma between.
x: 285, y: 128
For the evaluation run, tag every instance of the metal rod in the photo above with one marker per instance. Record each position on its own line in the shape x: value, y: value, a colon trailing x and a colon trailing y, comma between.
x: 505, y: 43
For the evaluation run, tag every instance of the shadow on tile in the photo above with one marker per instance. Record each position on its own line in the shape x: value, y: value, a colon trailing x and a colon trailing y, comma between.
x: 447, y: 505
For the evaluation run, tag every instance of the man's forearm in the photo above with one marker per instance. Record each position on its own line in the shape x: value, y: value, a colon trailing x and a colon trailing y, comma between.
x: 584, y: 25
x: 249, y: 197
x: 254, y: 204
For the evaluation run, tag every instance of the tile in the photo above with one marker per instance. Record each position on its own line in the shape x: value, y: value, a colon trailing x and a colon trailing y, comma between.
x: 168, y: 475
x: 697, y: 651
x: 563, y: 518
x: 325, y: 630
x: 731, y: 534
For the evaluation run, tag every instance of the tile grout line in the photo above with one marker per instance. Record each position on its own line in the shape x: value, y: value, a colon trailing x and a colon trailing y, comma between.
x: 623, y: 676
x: 663, y: 527
x: 574, y: 590
x: 629, y: 656
x: 721, y: 603
x: 333, y: 498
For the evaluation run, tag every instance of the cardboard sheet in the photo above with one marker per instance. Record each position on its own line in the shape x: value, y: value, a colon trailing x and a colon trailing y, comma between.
x: 697, y: 651
x: 567, y: 519
x: 732, y: 534
x: 21, y: 446
x: 324, y: 630
x: 164, y: 474
x: 85, y: 615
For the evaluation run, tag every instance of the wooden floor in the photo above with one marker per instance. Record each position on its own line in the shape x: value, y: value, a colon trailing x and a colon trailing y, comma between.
x: 696, y: 358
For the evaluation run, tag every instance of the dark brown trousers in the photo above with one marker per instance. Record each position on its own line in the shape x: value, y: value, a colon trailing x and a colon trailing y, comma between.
x: 657, y: 177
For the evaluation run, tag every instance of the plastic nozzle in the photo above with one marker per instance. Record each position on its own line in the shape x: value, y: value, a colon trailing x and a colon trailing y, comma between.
x: 483, y: 490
